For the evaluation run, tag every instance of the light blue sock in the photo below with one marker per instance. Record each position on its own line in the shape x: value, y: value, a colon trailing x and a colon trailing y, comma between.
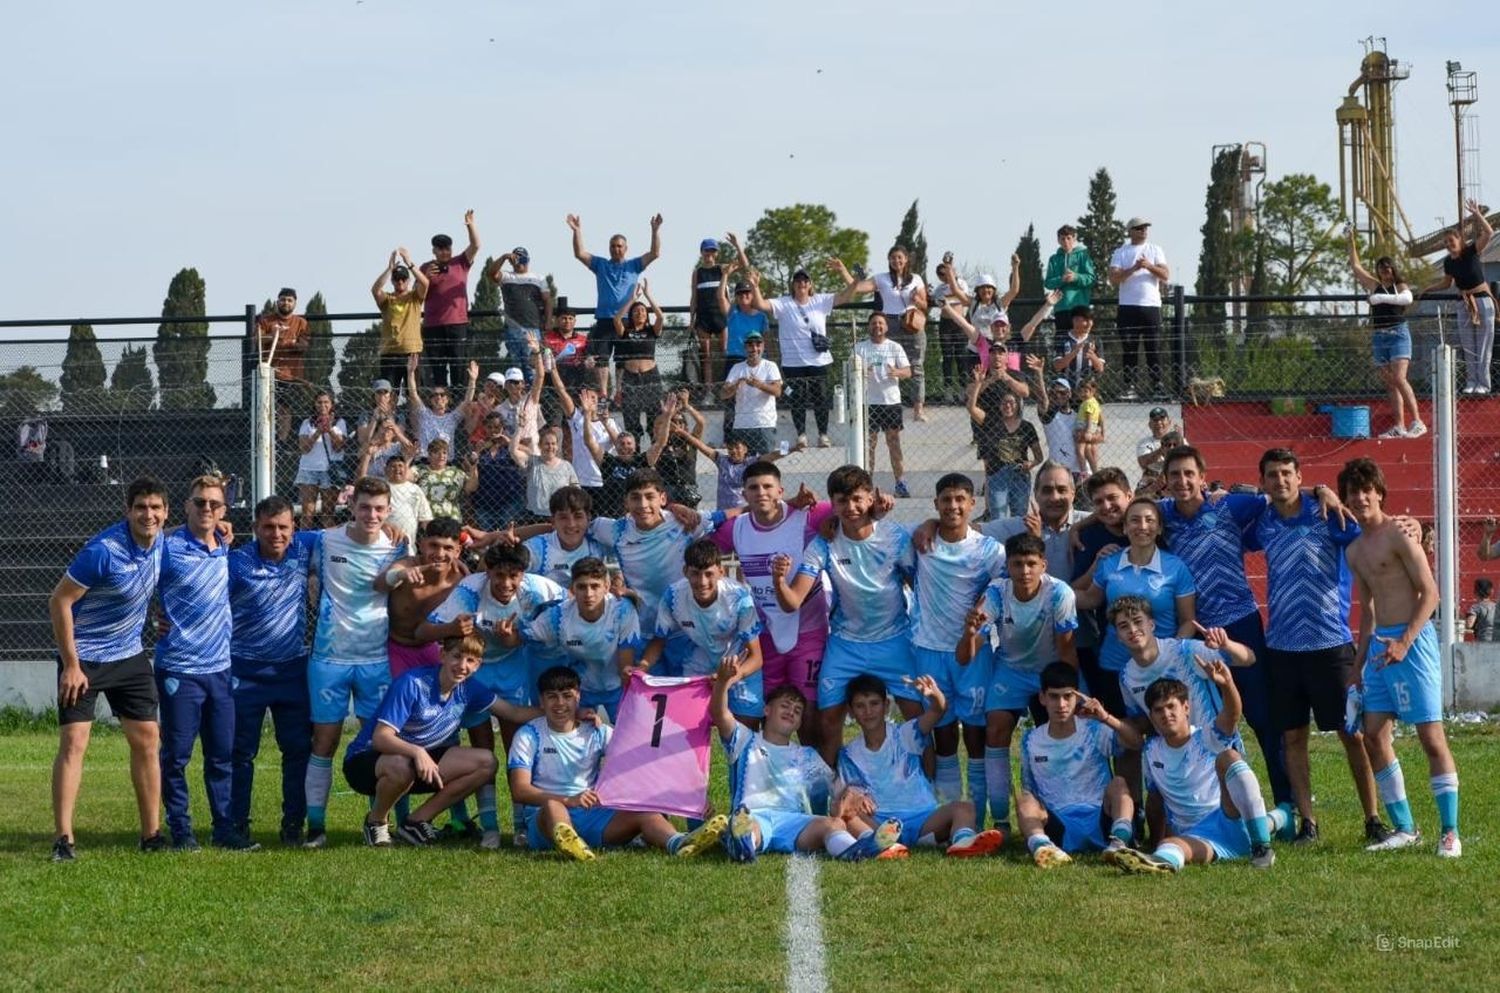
x: 1391, y: 786
x: 317, y: 784
x: 1123, y: 830
x: 961, y: 835
x: 1172, y: 854
x: 675, y: 842
x: 1037, y: 841
x: 950, y: 784
x: 1242, y: 788
x: 978, y: 788
x: 997, y: 781
x: 1445, y: 793
x: 488, y: 819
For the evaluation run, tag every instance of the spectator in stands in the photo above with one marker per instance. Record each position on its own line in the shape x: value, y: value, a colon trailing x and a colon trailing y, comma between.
x: 1088, y: 426
x: 801, y: 318
x: 953, y: 374
x: 1078, y: 355
x: 740, y: 320
x: 885, y: 365
x: 321, y: 439
x: 528, y: 307
x: 495, y: 481
x: 546, y: 471
x: 382, y: 408
x: 400, y: 313
x: 568, y: 344
x: 1488, y: 547
x: 410, y: 508
x: 613, y: 458
x: 588, y: 420
x: 281, y: 337
x: 754, y: 384
x: 901, y: 296
x: 445, y: 314
x: 1139, y: 269
x: 705, y: 316
x: 1476, y: 305
x: 507, y: 396
x: 672, y: 453
x: 1054, y: 408
x: 614, y: 286
x: 638, y: 326
x: 1480, y: 620
x: 31, y: 440
x: 1071, y: 270
x: 440, y: 419
x: 384, y: 442
x: 442, y: 483
x: 1390, y: 338
x: 1008, y: 444
x: 1151, y: 451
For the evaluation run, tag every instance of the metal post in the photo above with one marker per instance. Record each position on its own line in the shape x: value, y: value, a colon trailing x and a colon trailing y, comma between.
x: 1444, y: 444
x: 854, y: 399
x: 262, y: 418
x: 1179, y: 326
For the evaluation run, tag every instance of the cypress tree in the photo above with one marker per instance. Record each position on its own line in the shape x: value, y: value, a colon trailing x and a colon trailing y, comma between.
x: 181, y: 349
x: 83, y: 375
x: 131, y: 387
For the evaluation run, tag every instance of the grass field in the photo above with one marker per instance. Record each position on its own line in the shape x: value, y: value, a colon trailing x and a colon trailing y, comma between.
x: 456, y: 919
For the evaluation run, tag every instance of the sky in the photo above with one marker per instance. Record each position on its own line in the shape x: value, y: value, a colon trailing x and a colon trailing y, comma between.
x: 295, y: 143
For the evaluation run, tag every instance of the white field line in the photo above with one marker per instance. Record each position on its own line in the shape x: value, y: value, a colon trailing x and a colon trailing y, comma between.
x: 806, y: 969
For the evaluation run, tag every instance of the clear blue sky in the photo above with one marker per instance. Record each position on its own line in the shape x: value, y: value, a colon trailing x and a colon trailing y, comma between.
x: 296, y: 143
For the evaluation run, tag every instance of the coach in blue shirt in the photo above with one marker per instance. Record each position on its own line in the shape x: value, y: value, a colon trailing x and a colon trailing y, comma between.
x: 614, y: 285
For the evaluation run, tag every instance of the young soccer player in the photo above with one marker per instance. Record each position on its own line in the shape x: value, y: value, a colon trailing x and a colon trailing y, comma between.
x: 776, y: 786
x: 869, y: 564
x: 1212, y: 799
x: 553, y: 553
x: 437, y: 563
x: 1070, y: 800
x: 1153, y: 658
x: 718, y: 616
x: 1402, y: 675
x: 1034, y: 617
x: 553, y: 765
x: 882, y: 772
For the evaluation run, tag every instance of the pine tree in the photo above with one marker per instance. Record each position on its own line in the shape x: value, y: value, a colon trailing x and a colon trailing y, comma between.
x: 1030, y: 251
x: 486, y: 333
x: 1216, y: 259
x: 1100, y: 231
x: 181, y: 350
x: 83, y: 375
x: 131, y: 387
x: 317, y: 364
x: 915, y: 240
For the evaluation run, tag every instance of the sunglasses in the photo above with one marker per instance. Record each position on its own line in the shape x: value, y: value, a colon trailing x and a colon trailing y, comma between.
x: 203, y: 503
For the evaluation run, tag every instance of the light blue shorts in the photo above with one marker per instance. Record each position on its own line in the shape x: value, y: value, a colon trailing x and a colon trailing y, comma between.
x: 747, y: 698
x: 331, y: 685
x: 911, y: 822
x: 509, y: 679
x: 1412, y: 689
x: 964, y: 686
x: 890, y: 659
x: 1390, y: 344
x: 609, y: 700
x: 1081, y: 827
x: 1011, y: 688
x: 589, y: 822
x: 780, y: 829
x: 1229, y: 838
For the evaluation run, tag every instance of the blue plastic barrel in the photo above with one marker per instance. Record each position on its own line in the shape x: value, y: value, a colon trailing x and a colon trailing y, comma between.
x: 1351, y: 422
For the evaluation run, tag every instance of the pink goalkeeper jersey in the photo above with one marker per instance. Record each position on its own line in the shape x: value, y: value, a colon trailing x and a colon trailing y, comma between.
x: 658, y: 757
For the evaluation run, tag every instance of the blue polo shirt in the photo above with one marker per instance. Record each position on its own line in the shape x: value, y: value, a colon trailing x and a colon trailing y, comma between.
x: 614, y: 282
x: 195, y: 599
x: 119, y: 576
x: 1091, y: 538
x: 1159, y: 582
x: 416, y: 708
x: 1211, y: 542
x: 268, y: 600
x: 1307, y: 578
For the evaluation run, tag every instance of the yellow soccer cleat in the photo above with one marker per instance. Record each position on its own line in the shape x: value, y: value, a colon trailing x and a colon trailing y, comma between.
x: 704, y: 837
x: 566, y: 840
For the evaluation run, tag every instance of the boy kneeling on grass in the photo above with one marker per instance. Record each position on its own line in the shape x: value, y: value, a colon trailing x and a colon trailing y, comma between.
x: 553, y: 765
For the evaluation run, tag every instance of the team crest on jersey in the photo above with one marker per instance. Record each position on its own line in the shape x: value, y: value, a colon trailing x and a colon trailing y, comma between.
x: 170, y: 684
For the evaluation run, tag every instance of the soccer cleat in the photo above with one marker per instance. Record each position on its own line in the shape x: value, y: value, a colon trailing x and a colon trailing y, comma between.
x: 741, y: 838
x: 896, y: 851
x: 1449, y: 847
x: 1050, y: 857
x: 234, y: 841
x: 377, y: 834
x: 490, y: 841
x: 1288, y: 830
x: 1375, y: 831
x: 888, y: 834
x: 1111, y: 854
x: 417, y: 833
x: 63, y: 851
x: 1396, y: 431
x: 1133, y: 861
x: 703, y: 837
x: 156, y: 843
x: 291, y: 835
x: 316, y: 838
x: 519, y: 840
x: 566, y: 840
x: 1416, y: 429
x: 981, y: 844
x: 186, y: 843
x: 902, y: 490
x: 1261, y: 856
x: 1396, y: 839
x: 1308, y: 835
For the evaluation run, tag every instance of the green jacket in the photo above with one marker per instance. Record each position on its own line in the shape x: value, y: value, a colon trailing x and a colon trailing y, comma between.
x: 1076, y: 293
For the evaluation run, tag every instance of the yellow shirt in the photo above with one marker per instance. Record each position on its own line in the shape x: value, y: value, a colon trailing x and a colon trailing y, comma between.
x: 401, y: 326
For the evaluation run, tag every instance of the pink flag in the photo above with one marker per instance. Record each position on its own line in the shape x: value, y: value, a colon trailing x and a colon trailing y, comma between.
x: 658, y: 757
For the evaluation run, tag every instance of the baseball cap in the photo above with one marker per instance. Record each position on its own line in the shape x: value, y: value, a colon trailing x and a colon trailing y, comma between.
x: 1062, y: 384
x: 1158, y: 412
x: 754, y: 336
x: 1137, y: 222
x: 514, y: 375
x: 801, y: 274
x: 743, y: 288
x: 986, y: 279
x: 521, y: 254
x: 708, y: 245
x: 495, y: 377
x: 381, y: 386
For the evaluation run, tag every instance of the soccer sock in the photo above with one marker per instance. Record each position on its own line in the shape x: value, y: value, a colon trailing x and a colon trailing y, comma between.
x: 1123, y: 830
x: 316, y: 784
x: 673, y: 843
x: 1245, y: 792
x: 1391, y: 786
x: 1278, y: 817
x: 978, y: 787
x: 838, y: 842
x: 487, y: 816
x: 459, y: 812
x: 403, y: 808
x: 1168, y: 852
x: 1036, y: 841
x: 997, y: 781
x: 949, y: 783
x: 1445, y: 793
x: 517, y: 822
x: 962, y: 835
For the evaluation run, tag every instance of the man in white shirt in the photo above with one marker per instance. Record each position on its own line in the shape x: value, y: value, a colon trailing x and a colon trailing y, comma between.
x: 885, y: 364
x: 1139, y: 269
x: 755, y: 384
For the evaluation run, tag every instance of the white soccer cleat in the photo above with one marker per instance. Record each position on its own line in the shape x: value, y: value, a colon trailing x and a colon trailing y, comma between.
x: 1395, y: 840
x: 1394, y: 432
x: 490, y: 840
x: 1449, y: 847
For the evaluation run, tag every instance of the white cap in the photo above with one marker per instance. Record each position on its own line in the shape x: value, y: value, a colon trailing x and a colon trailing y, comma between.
x: 985, y: 279
x: 495, y: 378
x: 513, y: 375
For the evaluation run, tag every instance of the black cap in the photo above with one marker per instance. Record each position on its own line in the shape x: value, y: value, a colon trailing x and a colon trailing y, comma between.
x: 801, y: 274
x: 442, y: 241
x: 287, y: 291
x: 743, y: 288
x: 1158, y: 412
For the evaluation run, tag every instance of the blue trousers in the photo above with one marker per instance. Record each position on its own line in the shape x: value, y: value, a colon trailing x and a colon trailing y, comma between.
x: 1255, y: 694
x: 194, y: 706
x: 282, y: 690
x: 1008, y: 487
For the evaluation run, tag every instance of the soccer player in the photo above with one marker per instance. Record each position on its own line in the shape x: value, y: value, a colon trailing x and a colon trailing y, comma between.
x: 882, y: 772
x: 1034, y: 616
x: 553, y: 766
x: 437, y: 561
x: 1212, y: 800
x: 1070, y: 801
x: 949, y: 578
x: 98, y: 611
x: 776, y: 786
x: 553, y: 554
x: 356, y: 571
x: 1402, y: 675
x: 869, y: 563
x: 1153, y: 658
x: 718, y: 616
x: 268, y: 661
x: 192, y: 668
x: 594, y: 631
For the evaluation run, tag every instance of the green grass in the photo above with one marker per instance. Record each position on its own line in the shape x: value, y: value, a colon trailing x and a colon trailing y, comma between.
x: 452, y: 918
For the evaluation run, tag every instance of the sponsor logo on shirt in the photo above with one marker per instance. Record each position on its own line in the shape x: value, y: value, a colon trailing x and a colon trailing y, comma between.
x: 339, y: 559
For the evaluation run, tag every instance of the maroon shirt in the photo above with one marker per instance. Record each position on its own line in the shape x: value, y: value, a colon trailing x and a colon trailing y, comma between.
x: 447, y: 293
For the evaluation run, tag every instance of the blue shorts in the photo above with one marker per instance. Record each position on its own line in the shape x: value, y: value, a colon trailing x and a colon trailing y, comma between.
x: 1228, y: 837
x: 609, y: 700
x: 1390, y: 344
x: 747, y: 698
x: 780, y: 829
x: 331, y: 684
x: 964, y: 686
x: 1078, y: 828
x: 1412, y: 689
x: 911, y: 822
x: 589, y: 822
x: 890, y: 659
x: 675, y: 655
x: 1011, y: 688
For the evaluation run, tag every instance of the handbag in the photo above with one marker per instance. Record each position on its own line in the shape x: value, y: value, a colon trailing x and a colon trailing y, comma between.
x: 819, y: 342
x: 914, y: 321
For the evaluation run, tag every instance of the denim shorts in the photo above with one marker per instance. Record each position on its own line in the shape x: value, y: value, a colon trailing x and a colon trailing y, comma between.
x: 1390, y: 344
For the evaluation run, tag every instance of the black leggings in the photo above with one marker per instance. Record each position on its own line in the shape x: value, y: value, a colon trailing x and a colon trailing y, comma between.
x: 640, y: 401
x: 808, y: 386
x: 957, y: 359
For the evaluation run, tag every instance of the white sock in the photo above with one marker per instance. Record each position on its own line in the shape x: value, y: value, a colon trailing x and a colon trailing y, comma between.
x: 1245, y: 792
x: 838, y: 842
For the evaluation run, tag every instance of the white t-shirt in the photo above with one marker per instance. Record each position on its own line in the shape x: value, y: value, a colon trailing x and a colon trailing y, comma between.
x: 940, y: 291
x: 754, y: 408
x: 1141, y: 288
x: 1058, y: 431
x: 894, y: 300
x: 583, y: 463
x: 881, y: 388
x: 409, y: 507
x: 796, y: 323
x: 316, y: 458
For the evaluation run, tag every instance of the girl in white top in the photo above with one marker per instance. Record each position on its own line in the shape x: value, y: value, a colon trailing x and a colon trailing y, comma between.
x: 801, y: 318
x: 321, y: 440
x: 900, y: 291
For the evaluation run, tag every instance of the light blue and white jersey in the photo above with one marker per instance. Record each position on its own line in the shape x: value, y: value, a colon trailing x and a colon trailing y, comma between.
x: 120, y: 578
x: 649, y: 560
x: 562, y: 763
x: 1159, y: 582
x: 1174, y: 660
x: 588, y: 646
x: 1211, y: 543
x: 949, y: 579
x: 730, y: 622
x: 194, y: 593
x: 891, y: 774
x: 549, y: 558
x: 268, y: 600
x: 869, y: 580
x: 1186, y: 777
x: 763, y: 776
x: 1028, y: 629
x: 1307, y: 578
x: 416, y: 709
x: 1069, y: 772
x: 352, y: 621
x: 472, y: 596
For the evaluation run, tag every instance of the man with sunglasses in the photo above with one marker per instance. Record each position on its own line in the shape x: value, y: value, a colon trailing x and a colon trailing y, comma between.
x: 400, y: 314
x: 1139, y: 269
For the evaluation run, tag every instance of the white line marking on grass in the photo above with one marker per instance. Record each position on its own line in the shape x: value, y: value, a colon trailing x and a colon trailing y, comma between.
x: 806, y: 970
